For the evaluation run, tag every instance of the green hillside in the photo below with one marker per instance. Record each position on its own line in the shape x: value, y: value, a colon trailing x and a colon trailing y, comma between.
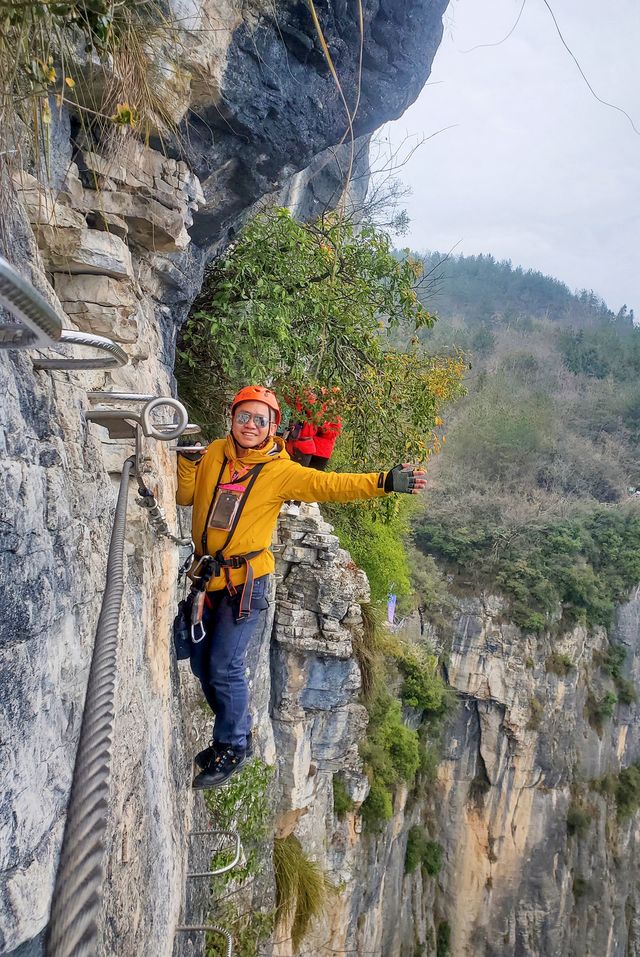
x: 479, y: 287
x: 534, y: 492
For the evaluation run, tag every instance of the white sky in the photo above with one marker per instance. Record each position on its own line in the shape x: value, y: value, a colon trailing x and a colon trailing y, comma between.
x: 535, y: 170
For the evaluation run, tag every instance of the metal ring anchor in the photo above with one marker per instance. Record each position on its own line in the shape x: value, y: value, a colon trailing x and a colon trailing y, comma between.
x: 41, y: 325
x: 125, y: 424
x: 116, y: 356
x: 164, y: 433
x: 190, y: 428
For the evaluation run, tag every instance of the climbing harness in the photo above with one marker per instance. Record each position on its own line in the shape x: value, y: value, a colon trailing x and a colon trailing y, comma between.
x: 207, y: 566
x: 77, y: 895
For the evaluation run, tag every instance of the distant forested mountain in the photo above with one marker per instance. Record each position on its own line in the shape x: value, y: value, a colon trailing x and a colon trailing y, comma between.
x: 481, y: 287
x: 535, y: 490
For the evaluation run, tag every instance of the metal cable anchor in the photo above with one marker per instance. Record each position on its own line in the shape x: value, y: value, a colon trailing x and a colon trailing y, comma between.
x: 41, y: 327
x: 40, y: 323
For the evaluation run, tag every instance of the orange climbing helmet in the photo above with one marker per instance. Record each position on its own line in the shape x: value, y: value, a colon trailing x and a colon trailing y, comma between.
x: 258, y: 393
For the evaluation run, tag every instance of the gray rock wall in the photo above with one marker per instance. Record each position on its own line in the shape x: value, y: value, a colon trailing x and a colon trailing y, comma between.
x: 118, y: 239
x: 58, y: 493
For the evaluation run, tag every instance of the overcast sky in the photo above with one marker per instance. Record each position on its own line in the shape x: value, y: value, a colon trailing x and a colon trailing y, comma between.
x: 535, y: 169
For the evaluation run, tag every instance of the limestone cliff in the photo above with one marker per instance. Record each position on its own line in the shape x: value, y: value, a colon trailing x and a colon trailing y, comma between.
x: 536, y: 860
x: 521, y: 876
x: 117, y: 238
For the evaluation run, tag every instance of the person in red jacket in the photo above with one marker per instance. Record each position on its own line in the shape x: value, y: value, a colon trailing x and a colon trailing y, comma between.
x: 329, y: 428
x: 300, y: 436
x: 301, y: 443
x: 325, y: 439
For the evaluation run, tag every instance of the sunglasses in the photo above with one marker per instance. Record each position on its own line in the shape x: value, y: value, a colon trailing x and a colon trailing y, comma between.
x: 261, y: 421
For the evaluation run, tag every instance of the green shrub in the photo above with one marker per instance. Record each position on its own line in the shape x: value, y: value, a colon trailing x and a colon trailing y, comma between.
x: 626, y: 689
x: 416, y: 840
x: 612, y: 662
x: 599, y: 709
x: 559, y: 664
x: 534, y: 622
x: 243, y: 806
x: 443, y: 939
x: 624, y: 787
x: 342, y: 802
x: 423, y: 687
x: 628, y: 791
x: 605, y: 785
x: 422, y: 851
x: 586, y: 564
x: 299, y: 305
x: 502, y: 438
x: 375, y: 538
x: 377, y: 809
x: 402, y: 745
x: 301, y: 890
x: 580, y: 887
x: 579, y: 818
x: 391, y: 751
x: 432, y: 858
x: 429, y: 763
x: 535, y: 716
x: 606, y: 349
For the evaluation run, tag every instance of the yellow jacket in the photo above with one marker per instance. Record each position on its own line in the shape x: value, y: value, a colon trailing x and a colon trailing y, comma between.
x: 279, y: 481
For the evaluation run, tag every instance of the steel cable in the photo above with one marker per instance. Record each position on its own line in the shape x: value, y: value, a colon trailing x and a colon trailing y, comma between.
x: 73, y: 924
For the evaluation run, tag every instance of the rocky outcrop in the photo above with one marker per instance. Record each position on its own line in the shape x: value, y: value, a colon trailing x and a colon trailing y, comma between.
x: 277, y: 106
x: 318, y: 723
x: 536, y: 860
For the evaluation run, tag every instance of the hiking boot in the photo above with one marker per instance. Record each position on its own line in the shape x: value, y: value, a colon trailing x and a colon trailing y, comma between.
x: 225, y: 762
x: 203, y: 758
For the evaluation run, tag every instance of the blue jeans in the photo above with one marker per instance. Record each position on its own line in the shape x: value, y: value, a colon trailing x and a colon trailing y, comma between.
x: 218, y: 661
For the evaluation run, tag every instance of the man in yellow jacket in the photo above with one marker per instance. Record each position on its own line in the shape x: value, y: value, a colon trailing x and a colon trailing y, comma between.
x: 237, y: 487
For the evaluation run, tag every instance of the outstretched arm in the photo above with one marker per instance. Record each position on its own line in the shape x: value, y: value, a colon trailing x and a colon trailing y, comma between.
x: 309, y: 485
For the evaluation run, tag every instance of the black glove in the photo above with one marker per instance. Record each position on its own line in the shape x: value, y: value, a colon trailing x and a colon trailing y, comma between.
x: 192, y: 456
x: 404, y: 478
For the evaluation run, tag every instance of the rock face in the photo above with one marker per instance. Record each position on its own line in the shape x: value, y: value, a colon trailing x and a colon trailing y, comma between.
x: 117, y: 240
x: 536, y: 861
x: 521, y: 752
x: 278, y: 107
x: 58, y: 496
